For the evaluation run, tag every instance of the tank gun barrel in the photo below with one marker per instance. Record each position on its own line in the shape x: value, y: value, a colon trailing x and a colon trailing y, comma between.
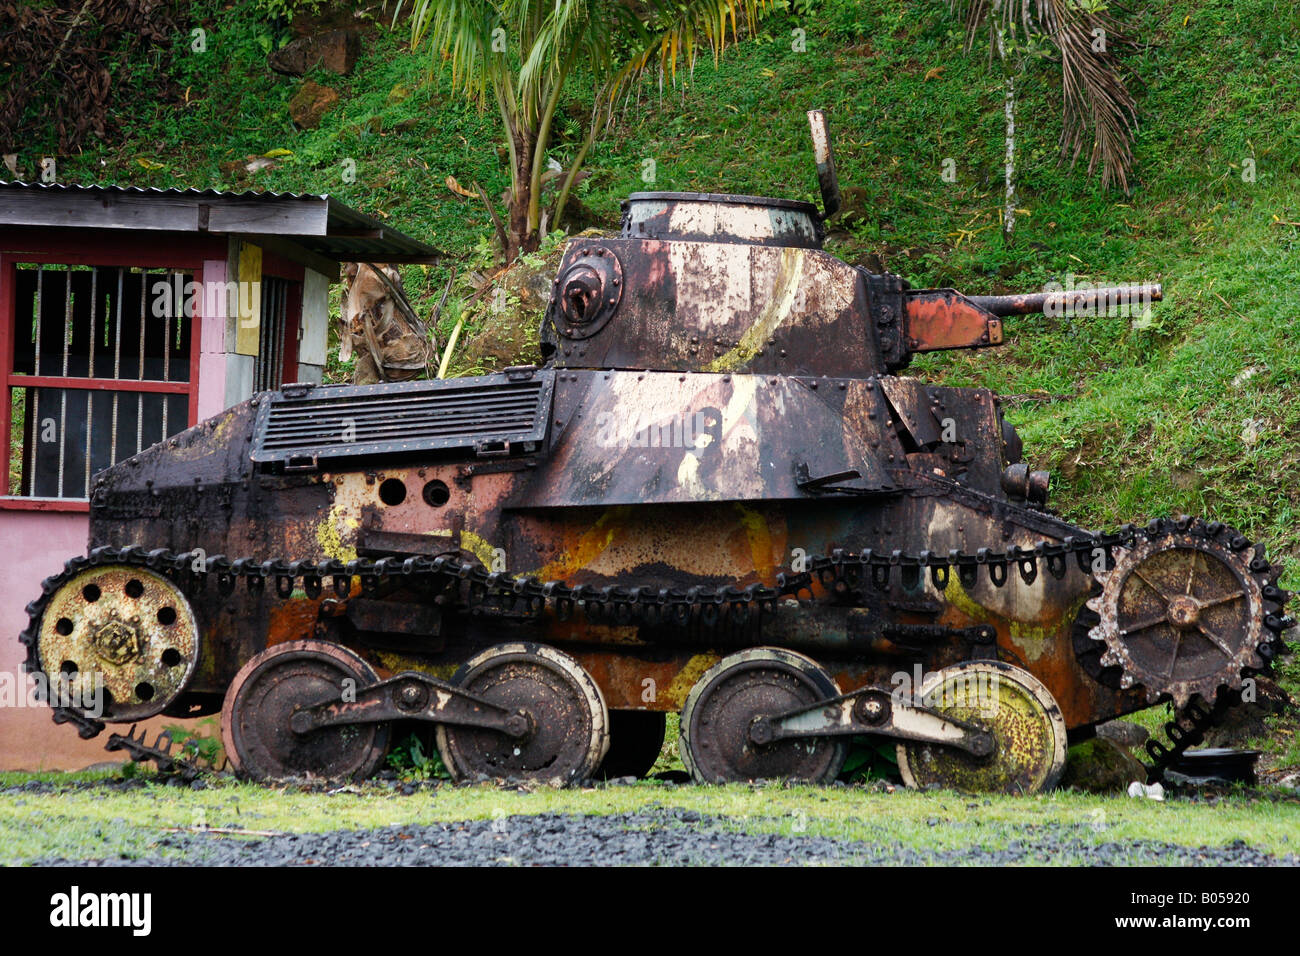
x: 935, y: 319
x: 1057, y: 303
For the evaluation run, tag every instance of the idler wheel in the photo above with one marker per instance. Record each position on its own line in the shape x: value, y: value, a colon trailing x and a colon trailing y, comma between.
x: 260, y: 703
x: 128, y: 627
x: 760, y: 682
x: 1013, y: 706
x: 636, y: 738
x: 568, y: 734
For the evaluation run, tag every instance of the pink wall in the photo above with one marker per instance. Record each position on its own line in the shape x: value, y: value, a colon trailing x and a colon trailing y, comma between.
x: 212, y: 348
x: 34, y: 545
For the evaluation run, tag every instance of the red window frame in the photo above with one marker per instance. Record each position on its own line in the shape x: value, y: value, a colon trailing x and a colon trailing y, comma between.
x: 279, y: 267
x: 56, y: 254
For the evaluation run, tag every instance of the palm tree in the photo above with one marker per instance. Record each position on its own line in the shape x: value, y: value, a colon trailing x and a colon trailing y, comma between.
x: 1095, y: 98
x: 521, y: 53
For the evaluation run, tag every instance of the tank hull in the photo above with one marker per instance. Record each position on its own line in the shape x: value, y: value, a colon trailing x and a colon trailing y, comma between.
x: 653, y: 479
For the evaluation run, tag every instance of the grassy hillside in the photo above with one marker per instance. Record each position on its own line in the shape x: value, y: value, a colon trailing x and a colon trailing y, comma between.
x: 1191, y: 414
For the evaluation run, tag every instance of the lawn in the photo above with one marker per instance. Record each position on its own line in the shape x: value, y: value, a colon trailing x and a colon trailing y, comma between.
x: 98, y: 823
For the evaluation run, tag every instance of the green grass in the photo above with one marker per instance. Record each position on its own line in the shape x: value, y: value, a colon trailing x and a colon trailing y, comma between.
x: 99, y: 824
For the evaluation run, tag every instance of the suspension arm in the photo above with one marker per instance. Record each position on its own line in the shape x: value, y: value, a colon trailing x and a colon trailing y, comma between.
x: 872, y: 711
x: 412, y: 695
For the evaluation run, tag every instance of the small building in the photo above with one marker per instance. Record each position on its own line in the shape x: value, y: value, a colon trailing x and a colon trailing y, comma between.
x: 126, y: 316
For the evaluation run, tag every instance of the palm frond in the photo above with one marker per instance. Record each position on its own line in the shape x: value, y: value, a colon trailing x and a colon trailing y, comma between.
x: 1095, y: 97
x: 1093, y: 88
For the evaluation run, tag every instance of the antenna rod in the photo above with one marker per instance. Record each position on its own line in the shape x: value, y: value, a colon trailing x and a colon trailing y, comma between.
x: 826, y: 179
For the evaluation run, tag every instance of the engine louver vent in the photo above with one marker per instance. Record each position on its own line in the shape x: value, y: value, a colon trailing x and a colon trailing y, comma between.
x: 489, y: 414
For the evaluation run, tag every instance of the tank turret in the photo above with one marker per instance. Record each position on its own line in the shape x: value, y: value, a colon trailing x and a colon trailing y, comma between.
x: 716, y: 282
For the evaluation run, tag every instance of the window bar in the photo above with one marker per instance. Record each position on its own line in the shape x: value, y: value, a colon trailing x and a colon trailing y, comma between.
x: 263, y: 339
x: 89, y: 411
x: 94, y: 314
x: 273, y: 332
x: 139, y: 398
x: 179, y: 308
x: 35, y: 410
x: 268, y: 316
x: 167, y: 337
x: 284, y: 332
x: 278, y: 332
x: 284, y: 329
x: 117, y: 362
x: 63, y: 392
x: 67, y: 318
x: 36, y: 319
x: 35, y: 393
x: 259, y: 364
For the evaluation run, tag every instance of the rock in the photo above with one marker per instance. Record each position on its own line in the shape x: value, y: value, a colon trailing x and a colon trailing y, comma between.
x: 1245, y: 723
x: 310, y: 103
x: 511, y: 315
x: 1153, y: 792
x: 1101, y: 766
x: 1124, y: 733
x: 336, y: 51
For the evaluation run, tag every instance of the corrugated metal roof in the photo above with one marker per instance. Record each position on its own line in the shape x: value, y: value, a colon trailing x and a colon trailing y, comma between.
x: 154, y: 190
x: 327, y: 227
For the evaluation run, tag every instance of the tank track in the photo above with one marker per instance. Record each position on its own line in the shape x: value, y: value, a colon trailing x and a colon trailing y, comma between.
x: 841, y: 573
x: 161, y: 753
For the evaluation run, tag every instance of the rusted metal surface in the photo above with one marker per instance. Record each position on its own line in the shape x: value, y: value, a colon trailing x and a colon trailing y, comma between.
x: 299, y: 428
x: 124, y: 635
x: 724, y: 307
x: 715, y: 740
x: 1182, y: 615
x: 411, y: 695
x: 587, y: 293
x: 1015, y: 709
x: 256, y: 719
x: 870, y: 711
x: 568, y: 733
x: 945, y: 319
x: 163, y: 752
x: 656, y: 437
x: 717, y: 217
x: 614, y: 536
x: 1082, y: 300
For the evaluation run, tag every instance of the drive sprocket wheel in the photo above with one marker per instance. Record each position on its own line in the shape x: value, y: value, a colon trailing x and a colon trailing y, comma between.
x: 125, y: 632
x: 1183, y: 612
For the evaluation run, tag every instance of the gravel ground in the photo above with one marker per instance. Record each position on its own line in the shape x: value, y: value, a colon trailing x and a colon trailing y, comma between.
x: 664, y: 837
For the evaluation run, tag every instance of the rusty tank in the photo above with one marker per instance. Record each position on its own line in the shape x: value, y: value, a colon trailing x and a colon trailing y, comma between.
x: 716, y: 496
